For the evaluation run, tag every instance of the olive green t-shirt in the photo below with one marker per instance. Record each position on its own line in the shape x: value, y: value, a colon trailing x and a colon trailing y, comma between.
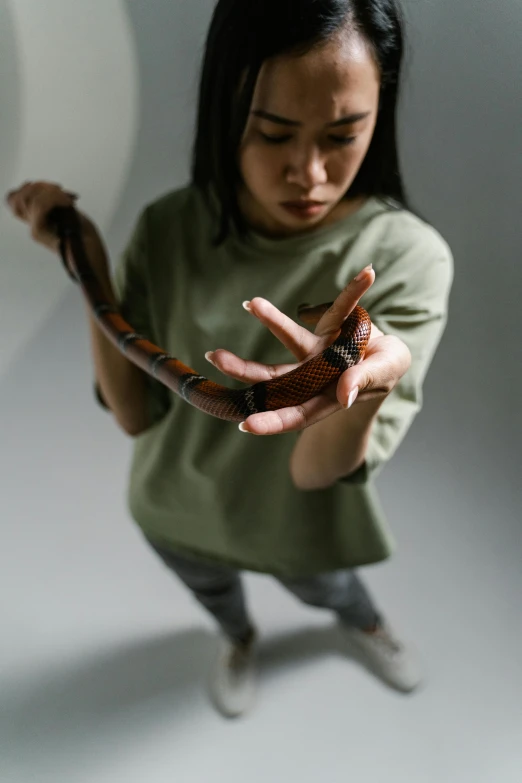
x: 197, y: 484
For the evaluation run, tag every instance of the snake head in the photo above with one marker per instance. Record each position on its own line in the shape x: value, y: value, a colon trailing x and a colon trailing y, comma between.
x: 312, y: 314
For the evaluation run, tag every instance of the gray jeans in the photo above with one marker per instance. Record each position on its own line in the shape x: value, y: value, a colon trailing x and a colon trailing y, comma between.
x: 219, y: 589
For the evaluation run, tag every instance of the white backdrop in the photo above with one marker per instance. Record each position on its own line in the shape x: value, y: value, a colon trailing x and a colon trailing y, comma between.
x: 68, y: 68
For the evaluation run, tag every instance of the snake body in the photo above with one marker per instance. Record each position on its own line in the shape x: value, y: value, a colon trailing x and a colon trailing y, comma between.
x: 292, y: 388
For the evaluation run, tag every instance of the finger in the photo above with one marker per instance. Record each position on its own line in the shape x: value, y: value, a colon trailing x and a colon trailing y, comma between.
x: 295, y: 338
x: 15, y: 201
x: 19, y: 198
x: 42, y: 203
x: 312, y: 315
x: 374, y: 377
x: 247, y: 371
x: 14, y: 191
x: 290, y: 419
x: 334, y: 317
x: 377, y: 374
x: 33, y: 200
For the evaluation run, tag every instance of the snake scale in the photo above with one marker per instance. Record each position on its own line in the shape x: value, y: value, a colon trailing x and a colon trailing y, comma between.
x: 292, y: 388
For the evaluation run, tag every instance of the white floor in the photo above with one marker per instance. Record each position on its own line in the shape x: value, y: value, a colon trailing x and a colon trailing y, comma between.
x: 104, y: 656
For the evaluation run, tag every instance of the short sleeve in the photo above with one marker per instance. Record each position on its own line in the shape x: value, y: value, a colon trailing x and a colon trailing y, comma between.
x: 133, y: 292
x: 409, y: 299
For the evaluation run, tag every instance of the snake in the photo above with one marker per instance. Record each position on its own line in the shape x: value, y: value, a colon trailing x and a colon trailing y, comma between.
x: 236, y: 405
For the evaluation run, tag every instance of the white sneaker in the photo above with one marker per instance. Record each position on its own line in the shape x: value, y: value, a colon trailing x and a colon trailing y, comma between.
x: 385, y: 655
x: 233, y: 676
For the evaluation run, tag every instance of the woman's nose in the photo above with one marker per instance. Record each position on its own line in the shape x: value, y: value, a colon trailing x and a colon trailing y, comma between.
x: 307, y: 168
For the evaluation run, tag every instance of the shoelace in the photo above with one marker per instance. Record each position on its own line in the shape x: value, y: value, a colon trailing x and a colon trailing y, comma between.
x: 239, y: 656
x: 386, y: 640
x: 241, y: 650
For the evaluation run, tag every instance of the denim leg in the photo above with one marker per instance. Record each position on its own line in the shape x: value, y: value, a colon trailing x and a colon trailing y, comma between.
x: 218, y: 588
x: 341, y: 591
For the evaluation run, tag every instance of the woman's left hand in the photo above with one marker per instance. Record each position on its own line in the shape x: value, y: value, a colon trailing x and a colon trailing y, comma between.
x: 386, y: 360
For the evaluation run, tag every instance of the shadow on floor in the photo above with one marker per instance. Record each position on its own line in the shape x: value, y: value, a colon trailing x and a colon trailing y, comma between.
x: 87, y: 706
x: 72, y: 713
x: 301, y: 648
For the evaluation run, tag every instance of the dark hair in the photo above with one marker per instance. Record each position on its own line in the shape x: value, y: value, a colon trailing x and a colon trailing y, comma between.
x: 245, y: 33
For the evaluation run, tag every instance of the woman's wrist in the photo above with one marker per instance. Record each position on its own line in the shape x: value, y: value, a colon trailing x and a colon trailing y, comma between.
x: 334, y: 447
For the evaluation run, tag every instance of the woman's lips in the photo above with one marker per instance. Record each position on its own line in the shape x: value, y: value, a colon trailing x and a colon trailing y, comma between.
x: 304, y: 209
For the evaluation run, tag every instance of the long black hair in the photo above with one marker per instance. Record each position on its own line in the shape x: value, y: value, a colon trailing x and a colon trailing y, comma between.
x: 245, y: 33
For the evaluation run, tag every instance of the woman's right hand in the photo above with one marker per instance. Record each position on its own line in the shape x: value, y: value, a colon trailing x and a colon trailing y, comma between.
x: 33, y: 201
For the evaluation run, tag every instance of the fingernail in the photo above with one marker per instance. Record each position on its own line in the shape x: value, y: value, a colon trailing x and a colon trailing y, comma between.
x: 242, y: 427
x: 246, y: 305
x: 208, y: 356
x: 363, y: 272
x: 352, y: 397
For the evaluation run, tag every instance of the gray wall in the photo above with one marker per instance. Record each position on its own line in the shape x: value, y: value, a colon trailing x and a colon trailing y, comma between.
x: 9, y: 93
x: 169, y: 38
x: 462, y: 154
x: 58, y: 98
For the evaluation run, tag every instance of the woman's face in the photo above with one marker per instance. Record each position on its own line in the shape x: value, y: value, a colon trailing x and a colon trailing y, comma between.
x: 310, y: 126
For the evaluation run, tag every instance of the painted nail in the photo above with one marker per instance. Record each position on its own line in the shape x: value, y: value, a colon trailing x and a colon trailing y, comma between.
x: 363, y: 272
x: 352, y: 397
x: 246, y: 305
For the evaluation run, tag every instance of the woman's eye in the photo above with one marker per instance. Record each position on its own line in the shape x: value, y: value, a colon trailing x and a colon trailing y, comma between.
x: 275, y: 139
x: 340, y: 140
x: 343, y: 140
